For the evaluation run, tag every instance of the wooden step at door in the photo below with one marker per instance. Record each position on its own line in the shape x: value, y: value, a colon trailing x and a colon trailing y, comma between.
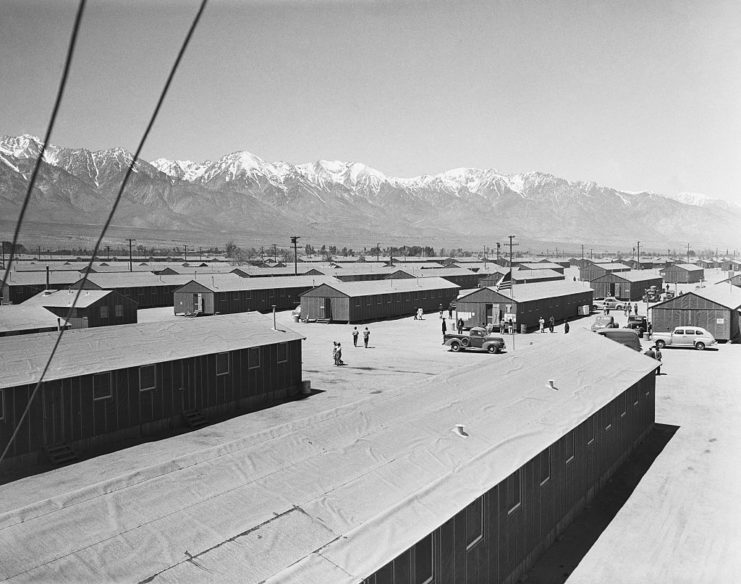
x: 194, y: 419
x: 61, y: 454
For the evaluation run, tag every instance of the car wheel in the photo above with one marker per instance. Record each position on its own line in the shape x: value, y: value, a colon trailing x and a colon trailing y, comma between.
x: 700, y: 346
x: 493, y: 349
x: 455, y: 347
x: 660, y: 344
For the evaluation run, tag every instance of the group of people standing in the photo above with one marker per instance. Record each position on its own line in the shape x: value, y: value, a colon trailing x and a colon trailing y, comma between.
x: 551, y: 324
x: 337, y: 350
x: 627, y: 309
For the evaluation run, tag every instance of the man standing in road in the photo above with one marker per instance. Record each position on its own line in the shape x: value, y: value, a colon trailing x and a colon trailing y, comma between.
x: 355, y: 334
x: 366, y: 336
x: 551, y: 323
x: 445, y: 330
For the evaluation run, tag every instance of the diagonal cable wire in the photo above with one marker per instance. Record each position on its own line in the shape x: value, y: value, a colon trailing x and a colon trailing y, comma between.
x: 47, y: 137
x: 106, y: 225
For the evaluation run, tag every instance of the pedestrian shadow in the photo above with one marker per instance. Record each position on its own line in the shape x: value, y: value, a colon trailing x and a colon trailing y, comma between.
x: 560, y: 560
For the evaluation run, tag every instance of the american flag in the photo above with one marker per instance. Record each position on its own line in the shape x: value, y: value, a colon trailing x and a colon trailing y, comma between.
x: 505, y: 283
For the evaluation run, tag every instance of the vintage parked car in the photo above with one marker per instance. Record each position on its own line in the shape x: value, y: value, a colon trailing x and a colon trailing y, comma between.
x: 637, y: 323
x: 685, y: 336
x: 476, y: 338
x: 603, y: 321
x: 610, y: 302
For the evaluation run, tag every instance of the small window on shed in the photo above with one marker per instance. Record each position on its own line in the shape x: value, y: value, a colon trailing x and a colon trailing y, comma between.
x: 253, y: 358
x: 147, y: 378
x: 282, y: 353
x: 590, y: 431
x: 102, y: 386
x: 423, y: 569
x: 513, y: 488
x: 544, y: 466
x: 103, y: 312
x: 570, y: 447
x: 474, y: 523
x: 222, y: 363
x: 119, y: 311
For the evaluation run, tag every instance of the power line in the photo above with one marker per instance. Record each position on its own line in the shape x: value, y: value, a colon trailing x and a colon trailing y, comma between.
x: 99, y: 242
x: 47, y: 137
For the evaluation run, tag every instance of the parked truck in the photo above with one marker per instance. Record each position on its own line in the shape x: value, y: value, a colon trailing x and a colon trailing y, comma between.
x: 476, y: 338
x: 685, y: 336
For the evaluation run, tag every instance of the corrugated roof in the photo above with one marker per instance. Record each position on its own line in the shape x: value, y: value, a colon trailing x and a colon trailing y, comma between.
x: 64, y: 298
x: 538, y: 290
x: 228, y: 283
x: 535, y: 274
x: 94, y: 350
x: 19, y: 317
x: 374, y: 287
x: 612, y: 266
x: 298, y: 494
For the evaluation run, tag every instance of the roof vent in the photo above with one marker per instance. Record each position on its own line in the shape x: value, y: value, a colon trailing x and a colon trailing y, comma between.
x: 460, y: 431
x: 551, y: 385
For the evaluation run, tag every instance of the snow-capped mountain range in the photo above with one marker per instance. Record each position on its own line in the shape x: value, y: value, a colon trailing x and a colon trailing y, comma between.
x: 344, y: 201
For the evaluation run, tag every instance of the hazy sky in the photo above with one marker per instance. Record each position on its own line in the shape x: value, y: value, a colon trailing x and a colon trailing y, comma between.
x: 638, y: 95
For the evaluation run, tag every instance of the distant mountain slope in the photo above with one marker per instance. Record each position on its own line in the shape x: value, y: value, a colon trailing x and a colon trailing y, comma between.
x: 241, y: 193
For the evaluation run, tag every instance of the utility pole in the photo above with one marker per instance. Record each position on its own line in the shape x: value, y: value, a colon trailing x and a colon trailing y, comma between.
x: 688, y: 253
x: 498, y: 246
x: 511, y: 275
x: 275, y: 254
x: 294, y: 241
x: 582, y: 251
x: 131, y: 262
x: 200, y: 254
x: 378, y: 251
x: 591, y: 254
x: 639, y: 255
x: 185, y: 252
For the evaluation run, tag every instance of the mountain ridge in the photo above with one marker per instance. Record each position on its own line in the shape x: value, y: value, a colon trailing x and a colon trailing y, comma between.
x: 241, y: 192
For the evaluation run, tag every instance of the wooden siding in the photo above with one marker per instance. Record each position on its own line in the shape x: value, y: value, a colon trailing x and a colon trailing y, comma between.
x: 527, y: 313
x: 92, y: 316
x: 692, y: 310
x: 144, y: 296
x: 373, y: 307
x: 679, y: 275
x: 65, y: 411
x: 240, y: 300
x: 513, y: 538
x: 613, y: 285
x: 592, y: 271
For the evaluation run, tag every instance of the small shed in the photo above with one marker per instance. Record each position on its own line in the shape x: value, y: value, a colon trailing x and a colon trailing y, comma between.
x: 593, y: 270
x: 93, y: 307
x: 716, y: 309
x: 227, y: 294
x: 524, y: 304
x: 683, y: 274
x: 376, y: 300
x: 629, y: 285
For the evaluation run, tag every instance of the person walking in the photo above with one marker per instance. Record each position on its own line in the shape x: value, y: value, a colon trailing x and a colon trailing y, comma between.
x: 635, y: 308
x: 445, y: 330
x: 420, y: 312
x: 460, y: 326
x: 366, y: 336
x: 551, y: 323
x: 658, y: 358
x: 338, y: 355
x: 566, y: 327
x: 541, y: 325
x: 355, y: 334
x: 334, y: 352
x: 649, y: 330
x: 450, y: 312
